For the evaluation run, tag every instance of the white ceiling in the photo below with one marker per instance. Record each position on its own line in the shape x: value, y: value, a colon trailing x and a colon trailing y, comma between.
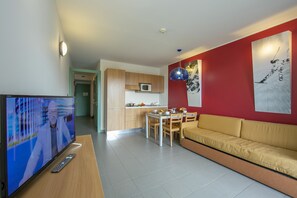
x: 128, y: 30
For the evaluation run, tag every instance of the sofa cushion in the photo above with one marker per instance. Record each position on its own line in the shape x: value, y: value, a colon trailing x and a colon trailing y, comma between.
x: 208, y: 137
x: 223, y: 124
x: 279, y: 159
x: 279, y: 135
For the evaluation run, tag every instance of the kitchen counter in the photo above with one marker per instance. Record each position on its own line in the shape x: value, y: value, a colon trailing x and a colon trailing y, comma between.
x: 135, y: 116
x: 147, y: 107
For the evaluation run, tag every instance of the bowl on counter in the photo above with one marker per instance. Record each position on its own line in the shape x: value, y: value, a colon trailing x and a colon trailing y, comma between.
x: 155, y: 111
x: 167, y: 113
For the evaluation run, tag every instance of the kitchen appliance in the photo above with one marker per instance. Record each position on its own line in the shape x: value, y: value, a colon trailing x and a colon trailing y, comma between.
x: 146, y: 87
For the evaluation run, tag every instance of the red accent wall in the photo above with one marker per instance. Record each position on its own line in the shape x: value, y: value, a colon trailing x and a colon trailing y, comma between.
x: 227, y: 80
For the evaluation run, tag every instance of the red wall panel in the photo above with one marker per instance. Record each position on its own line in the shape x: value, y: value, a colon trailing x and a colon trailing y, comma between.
x: 227, y: 80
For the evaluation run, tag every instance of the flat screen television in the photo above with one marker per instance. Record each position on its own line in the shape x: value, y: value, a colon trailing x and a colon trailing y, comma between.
x: 34, y: 130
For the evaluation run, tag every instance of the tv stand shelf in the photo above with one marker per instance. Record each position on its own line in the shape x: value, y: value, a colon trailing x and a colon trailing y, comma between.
x: 80, y: 178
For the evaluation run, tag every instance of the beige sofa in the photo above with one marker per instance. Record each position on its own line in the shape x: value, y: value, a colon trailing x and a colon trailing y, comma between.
x: 266, y: 152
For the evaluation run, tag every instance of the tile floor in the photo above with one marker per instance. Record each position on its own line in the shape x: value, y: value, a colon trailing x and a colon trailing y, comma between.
x: 132, y: 166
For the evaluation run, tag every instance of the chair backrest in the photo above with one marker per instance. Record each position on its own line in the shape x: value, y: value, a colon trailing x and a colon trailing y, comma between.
x: 191, y: 116
x: 176, y: 118
x: 153, y: 120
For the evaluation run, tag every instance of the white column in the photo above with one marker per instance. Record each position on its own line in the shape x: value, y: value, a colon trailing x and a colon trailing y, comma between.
x: 161, y: 130
x: 146, y: 125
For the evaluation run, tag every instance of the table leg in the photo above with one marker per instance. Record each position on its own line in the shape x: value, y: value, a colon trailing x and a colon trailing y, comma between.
x: 160, y: 131
x: 146, y: 125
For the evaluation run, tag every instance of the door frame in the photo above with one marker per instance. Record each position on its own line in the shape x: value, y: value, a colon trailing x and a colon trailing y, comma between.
x: 98, y: 90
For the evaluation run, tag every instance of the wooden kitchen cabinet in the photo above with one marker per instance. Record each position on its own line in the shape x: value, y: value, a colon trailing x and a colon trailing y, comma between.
x: 132, y: 118
x: 145, y: 78
x: 133, y: 79
x: 115, y: 119
x: 114, y: 99
x: 157, y: 84
x: 135, y: 117
x: 161, y: 84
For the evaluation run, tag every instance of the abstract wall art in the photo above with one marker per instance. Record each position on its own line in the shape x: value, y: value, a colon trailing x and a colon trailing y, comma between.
x: 272, y: 73
x: 194, y: 83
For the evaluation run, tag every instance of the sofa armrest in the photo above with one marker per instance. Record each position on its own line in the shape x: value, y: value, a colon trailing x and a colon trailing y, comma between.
x: 187, y: 125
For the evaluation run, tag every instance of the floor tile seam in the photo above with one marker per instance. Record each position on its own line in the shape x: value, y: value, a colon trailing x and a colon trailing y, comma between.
x: 132, y: 153
x: 212, y: 181
x: 147, y: 190
x: 159, y: 169
x: 152, y: 187
x: 142, y: 193
x: 151, y: 172
x: 122, y: 166
x: 168, y: 192
x: 169, y: 158
x: 158, y: 154
x: 182, y: 184
x: 147, y: 174
x: 162, y: 166
x: 180, y: 177
x: 143, y: 175
x: 118, y: 157
x: 251, y: 184
x: 136, y: 192
x: 114, y: 185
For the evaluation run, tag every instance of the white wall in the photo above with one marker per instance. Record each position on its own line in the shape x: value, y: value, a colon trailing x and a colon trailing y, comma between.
x: 104, y: 64
x: 141, y: 97
x: 29, y: 41
x: 164, y: 96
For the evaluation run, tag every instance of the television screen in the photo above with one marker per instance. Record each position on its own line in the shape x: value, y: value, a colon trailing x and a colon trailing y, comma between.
x: 37, y: 130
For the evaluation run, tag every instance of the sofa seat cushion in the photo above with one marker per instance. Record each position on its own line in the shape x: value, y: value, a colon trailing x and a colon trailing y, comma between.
x: 278, y: 159
x: 211, y: 138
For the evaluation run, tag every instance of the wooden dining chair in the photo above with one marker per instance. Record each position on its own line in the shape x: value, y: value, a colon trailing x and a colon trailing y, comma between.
x: 173, y: 125
x: 154, y: 124
x: 191, y: 117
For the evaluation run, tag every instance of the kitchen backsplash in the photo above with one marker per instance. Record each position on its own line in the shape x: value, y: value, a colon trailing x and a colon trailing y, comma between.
x: 140, y: 97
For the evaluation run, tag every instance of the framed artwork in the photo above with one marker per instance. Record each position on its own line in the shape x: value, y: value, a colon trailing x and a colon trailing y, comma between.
x: 272, y: 73
x: 194, y: 83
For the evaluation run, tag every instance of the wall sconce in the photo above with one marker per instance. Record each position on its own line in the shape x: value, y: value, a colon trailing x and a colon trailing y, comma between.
x: 63, y: 48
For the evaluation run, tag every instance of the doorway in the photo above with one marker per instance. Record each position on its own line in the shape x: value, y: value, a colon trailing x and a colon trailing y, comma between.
x: 82, y: 99
x: 84, y: 84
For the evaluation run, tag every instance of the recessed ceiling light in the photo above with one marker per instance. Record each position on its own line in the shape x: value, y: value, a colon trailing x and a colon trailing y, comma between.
x: 163, y: 30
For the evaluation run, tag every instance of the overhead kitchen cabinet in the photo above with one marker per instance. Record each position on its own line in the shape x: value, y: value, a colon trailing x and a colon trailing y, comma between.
x: 133, y: 79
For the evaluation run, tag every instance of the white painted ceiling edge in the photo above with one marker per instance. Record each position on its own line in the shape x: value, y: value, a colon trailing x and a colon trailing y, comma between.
x: 128, y: 31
